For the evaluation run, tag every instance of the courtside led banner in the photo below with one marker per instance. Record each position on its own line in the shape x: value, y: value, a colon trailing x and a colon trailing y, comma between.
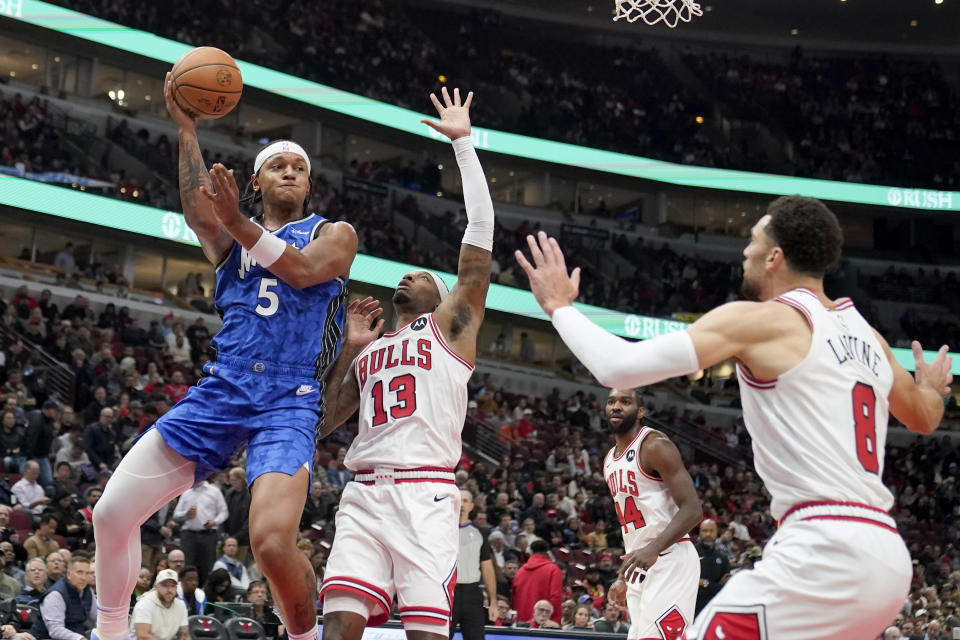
x: 146, y: 44
x: 170, y: 225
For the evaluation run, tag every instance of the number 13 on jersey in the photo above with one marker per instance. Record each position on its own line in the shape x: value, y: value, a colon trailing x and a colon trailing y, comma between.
x: 403, y: 397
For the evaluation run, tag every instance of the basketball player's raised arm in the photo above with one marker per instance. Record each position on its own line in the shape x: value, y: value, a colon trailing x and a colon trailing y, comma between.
x: 726, y: 332
x: 916, y: 400
x: 461, y: 313
x: 342, y: 391
x: 197, y: 211
x: 659, y: 454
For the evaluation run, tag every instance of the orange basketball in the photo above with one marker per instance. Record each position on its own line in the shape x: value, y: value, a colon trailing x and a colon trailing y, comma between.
x: 206, y: 82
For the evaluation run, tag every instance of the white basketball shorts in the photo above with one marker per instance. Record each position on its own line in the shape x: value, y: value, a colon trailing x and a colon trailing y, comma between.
x: 398, y: 536
x: 831, y: 572
x: 662, y: 605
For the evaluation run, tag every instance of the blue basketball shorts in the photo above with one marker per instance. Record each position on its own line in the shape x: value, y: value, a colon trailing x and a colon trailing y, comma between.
x: 270, y: 408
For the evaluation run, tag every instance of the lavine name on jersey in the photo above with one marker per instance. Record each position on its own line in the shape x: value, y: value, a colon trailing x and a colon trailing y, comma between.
x: 395, y: 355
x: 854, y: 349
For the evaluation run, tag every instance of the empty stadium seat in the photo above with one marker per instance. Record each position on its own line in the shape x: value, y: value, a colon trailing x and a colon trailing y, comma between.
x: 244, y: 629
x: 206, y: 628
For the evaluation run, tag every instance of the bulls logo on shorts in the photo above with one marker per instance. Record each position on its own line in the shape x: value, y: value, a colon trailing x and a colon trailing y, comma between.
x: 727, y: 625
x: 419, y: 323
x: 671, y: 625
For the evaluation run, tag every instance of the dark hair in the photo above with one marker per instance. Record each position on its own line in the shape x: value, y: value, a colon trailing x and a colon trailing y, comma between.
x: 216, y: 577
x: 539, y: 546
x: 807, y: 232
x: 187, y: 569
x: 256, y: 583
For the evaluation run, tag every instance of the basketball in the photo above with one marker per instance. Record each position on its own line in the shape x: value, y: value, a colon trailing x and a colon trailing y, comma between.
x: 206, y: 82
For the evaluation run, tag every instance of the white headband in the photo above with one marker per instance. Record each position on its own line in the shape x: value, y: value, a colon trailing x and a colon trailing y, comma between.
x: 441, y: 285
x: 280, y: 146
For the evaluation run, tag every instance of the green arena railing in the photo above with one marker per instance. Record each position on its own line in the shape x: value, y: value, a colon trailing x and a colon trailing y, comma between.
x: 126, y: 216
x: 56, y: 18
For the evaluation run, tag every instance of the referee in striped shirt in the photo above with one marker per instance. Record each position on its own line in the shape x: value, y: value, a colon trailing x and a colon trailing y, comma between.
x: 474, y: 561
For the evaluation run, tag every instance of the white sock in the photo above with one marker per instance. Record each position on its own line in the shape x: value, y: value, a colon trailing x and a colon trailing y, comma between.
x: 112, y: 623
x: 312, y: 634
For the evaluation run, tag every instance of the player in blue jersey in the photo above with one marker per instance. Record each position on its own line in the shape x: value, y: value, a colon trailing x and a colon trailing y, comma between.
x: 281, y: 288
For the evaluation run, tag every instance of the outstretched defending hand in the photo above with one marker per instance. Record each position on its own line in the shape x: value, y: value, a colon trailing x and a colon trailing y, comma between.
x: 454, y: 117
x: 551, y: 285
x: 935, y: 375
x: 360, y: 330
x: 226, y: 196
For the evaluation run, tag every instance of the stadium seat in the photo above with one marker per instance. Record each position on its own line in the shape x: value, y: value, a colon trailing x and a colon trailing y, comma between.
x: 584, y: 557
x: 62, y: 542
x: 562, y: 554
x: 206, y: 628
x: 21, y: 521
x: 244, y: 629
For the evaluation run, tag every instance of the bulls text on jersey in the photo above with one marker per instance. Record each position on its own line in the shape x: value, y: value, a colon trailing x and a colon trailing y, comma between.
x: 406, y: 354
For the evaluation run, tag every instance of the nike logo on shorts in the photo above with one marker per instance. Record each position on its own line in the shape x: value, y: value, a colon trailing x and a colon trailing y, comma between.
x: 438, y: 499
x: 305, y: 389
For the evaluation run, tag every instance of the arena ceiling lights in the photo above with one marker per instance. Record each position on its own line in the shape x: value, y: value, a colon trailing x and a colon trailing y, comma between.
x: 149, y: 45
x: 57, y: 201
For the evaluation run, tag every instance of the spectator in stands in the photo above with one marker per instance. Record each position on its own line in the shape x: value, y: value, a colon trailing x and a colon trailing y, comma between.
x: 11, y: 441
x: 230, y: 563
x: 201, y: 510
x: 9, y: 587
x: 92, y: 495
x: 891, y: 633
x: 612, y: 620
x: 100, y: 440
x: 507, y: 574
x: 159, y: 614
x: 319, y: 506
x: 28, y: 491
x: 93, y: 410
x: 145, y: 583
x: 527, y: 349
x: 581, y: 618
x: 177, y: 388
x: 56, y: 567
x: 71, y: 525
x: 544, y: 614
x: 41, y: 543
x: 338, y: 473
x: 35, y: 580
x: 63, y: 480
x: 179, y: 350
x: 190, y: 592
x: 538, y: 579
x: 714, y: 566
x: 69, y: 608
x: 14, y: 386
x: 74, y: 454
x: 257, y: 596
x: 219, y: 588
x: 64, y: 258
x: 176, y: 560
x: 597, y: 539
x: 10, y: 553
x: 38, y: 439
x: 237, y: 497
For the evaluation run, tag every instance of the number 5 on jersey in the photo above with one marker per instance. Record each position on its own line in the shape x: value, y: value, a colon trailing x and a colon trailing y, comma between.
x: 273, y: 301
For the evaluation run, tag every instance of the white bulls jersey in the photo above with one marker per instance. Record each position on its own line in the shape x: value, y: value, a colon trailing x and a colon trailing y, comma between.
x: 820, y: 428
x: 413, y: 400
x: 644, y: 506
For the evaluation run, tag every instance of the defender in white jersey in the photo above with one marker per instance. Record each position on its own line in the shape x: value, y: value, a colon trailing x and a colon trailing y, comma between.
x: 818, y: 386
x: 657, y: 506
x: 397, y: 526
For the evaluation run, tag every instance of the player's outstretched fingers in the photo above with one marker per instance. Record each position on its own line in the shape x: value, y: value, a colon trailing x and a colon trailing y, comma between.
x: 524, y: 264
x: 446, y: 97
x: 535, y: 251
x: 436, y: 103
x: 466, y: 105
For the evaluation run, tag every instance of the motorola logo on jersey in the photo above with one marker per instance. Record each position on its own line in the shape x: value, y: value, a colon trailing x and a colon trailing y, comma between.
x: 404, y: 354
x: 631, y: 455
x: 419, y: 323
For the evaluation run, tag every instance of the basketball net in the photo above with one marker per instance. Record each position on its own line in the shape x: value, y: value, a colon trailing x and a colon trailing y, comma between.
x: 670, y: 12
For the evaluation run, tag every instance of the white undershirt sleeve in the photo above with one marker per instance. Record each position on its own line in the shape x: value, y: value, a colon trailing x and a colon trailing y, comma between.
x: 620, y: 364
x: 476, y: 196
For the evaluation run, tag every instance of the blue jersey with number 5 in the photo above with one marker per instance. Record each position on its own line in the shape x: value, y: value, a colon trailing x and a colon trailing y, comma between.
x: 266, y: 319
